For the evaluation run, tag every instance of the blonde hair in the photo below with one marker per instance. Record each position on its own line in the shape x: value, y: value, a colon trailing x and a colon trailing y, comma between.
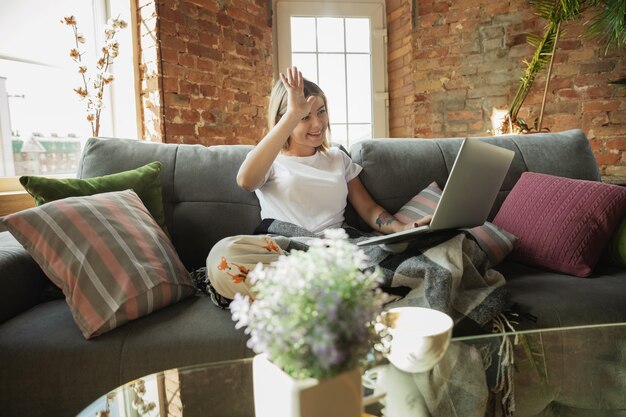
x: 278, y: 106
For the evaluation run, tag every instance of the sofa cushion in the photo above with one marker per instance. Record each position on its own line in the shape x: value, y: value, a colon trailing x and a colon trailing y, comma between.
x: 558, y: 300
x: 562, y: 224
x: 497, y: 243
x: 43, y: 343
x: 108, y: 255
x: 21, y: 279
x: 145, y: 181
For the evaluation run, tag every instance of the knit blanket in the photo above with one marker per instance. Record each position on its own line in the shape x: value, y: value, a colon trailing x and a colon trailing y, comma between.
x: 445, y: 271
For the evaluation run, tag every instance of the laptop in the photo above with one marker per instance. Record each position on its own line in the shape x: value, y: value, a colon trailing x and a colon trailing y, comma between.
x: 466, y: 200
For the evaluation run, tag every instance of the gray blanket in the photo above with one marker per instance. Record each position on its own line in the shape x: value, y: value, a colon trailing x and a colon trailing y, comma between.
x: 443, y: 271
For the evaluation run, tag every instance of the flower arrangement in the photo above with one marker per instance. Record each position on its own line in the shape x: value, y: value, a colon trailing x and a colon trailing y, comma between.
x: 314, y: 312
x: 92, y: 90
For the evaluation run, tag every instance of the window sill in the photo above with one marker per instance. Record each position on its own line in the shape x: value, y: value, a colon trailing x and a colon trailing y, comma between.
x: 14, y: 201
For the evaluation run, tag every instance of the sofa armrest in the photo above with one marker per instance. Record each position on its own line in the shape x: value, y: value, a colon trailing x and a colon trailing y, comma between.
x: 21, y: 279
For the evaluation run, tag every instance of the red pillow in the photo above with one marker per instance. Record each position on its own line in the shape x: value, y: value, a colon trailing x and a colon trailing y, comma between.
x: 562, y: 224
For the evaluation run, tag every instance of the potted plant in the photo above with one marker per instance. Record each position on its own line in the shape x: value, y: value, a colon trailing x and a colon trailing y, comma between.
x: 312, y: 325
x: 608, y: 25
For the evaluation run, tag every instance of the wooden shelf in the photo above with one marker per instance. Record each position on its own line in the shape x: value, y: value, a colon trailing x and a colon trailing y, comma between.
x: 14, y: 201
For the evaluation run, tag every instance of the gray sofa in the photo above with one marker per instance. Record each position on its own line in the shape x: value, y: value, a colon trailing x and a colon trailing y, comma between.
x: 49, y: 369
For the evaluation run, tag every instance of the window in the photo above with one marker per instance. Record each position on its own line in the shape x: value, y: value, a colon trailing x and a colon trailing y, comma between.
x: 43, y: 123
x: 341, y: 47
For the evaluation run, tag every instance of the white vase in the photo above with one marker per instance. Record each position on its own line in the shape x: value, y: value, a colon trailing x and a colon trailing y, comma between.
x: 277, y: 394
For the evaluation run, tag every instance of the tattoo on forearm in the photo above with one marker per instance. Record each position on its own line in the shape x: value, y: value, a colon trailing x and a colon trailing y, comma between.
x: 383, y: 219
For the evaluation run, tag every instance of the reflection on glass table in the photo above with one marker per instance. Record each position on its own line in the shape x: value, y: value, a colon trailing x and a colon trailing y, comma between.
x: 575, y: 371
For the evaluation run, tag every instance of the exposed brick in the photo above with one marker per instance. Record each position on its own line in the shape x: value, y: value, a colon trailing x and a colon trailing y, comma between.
x: 597, y: 67
x: 176, y: 100
x: 591, y: 119
x: 601, y: 105
x: 181, y: 129
x: 187, y: 60
x: 618, y: 118
x: 613, y: 131
x: 203, y: 103
x: 166, y: 13
x: 568, y: 94
x: 464, y: 115
x: 170, y: 84
x: 617, y: 170
x: 189, y: 116
x: 445, y: 77
x: 617, y: 143
x: 597, y: 92
x: 604, y: 158
x: 207, y: 5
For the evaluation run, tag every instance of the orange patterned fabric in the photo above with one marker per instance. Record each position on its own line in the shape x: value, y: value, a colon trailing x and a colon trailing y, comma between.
x: 232, y: 258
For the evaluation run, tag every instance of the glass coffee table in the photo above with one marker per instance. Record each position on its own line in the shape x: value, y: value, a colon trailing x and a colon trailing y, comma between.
x: 574, y: 371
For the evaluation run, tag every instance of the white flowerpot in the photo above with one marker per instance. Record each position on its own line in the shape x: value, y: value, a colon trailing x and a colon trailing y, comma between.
x: 276, y: 394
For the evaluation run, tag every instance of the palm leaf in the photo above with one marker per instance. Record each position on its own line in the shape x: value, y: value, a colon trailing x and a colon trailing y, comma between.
x: 555, y: 11
x: 609, y: 24
x: 543, y: 51
x: 619, y: 81
x: 544, y: 8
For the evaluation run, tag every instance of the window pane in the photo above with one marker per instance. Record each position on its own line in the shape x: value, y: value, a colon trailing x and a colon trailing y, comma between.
x: 333, y: 81
x: 339, y: 134
x: 359, y: 132
x: 47, y: 119
x: 303, y: 34
x: 330, y: 34
x: 31, y: 29
x: 358, y: 35
x: 359, y: 88
x: 307, y: 64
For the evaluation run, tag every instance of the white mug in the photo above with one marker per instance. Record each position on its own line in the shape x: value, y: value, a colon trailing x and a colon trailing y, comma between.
x: 419, y: 337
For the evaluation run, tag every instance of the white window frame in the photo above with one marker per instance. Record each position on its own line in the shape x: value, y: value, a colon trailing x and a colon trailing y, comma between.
x: 372, y: 9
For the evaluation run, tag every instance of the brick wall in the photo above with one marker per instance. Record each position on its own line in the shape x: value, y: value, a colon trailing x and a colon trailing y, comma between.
x: 449, y: 67
x: 400, y: 68
x: 466, y: 58
x: 216, y: 70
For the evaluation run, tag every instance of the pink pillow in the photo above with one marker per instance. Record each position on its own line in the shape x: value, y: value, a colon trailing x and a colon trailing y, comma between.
x: 562, y: 224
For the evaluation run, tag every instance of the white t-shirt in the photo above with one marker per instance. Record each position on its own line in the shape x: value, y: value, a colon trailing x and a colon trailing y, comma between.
x: 310, y: 191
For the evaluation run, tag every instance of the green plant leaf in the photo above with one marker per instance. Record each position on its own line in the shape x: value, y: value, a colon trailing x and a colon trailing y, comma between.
x: 609, y: 24
x: 543, y: 52
x: 619, y: 81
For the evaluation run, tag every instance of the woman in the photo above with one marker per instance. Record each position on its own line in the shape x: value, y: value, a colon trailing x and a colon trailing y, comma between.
x: 298, y: 179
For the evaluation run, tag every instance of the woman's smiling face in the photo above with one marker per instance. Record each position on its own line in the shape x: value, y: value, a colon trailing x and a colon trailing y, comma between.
x: 311, y: 131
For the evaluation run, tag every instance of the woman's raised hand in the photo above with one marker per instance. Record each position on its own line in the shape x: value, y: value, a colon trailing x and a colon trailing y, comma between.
x: 296, y: 102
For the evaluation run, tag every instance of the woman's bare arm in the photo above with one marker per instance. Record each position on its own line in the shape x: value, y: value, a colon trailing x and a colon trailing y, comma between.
x: 377, y: 217
x: 257, y: 164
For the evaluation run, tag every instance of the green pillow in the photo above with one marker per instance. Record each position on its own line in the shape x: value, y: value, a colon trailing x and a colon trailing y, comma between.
x: 145, y: 181
x: 615, y: 251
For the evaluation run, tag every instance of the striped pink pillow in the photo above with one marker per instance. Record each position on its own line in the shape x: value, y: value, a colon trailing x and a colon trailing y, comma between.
x: 108, y: 255
x: 563, y: 224
x: 496, y: 242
